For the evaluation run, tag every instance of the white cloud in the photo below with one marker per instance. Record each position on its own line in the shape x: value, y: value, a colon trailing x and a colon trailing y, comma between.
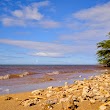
x: 10, y: 22
x: 50, y: 49
x: 91, y: 24
x: 28, y: 12
x: 97, y: 17
x: 23, y: 16
x: 86, y: 35
x: 49, y: 24
x: 29, y: 16
x: 41, y: 4
x: 17, y: 13
x: 47, y: 54
x: 40, y: 46
x: 96, y: 14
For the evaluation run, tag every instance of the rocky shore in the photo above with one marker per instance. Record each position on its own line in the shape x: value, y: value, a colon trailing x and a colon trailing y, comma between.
x: 91, y: 94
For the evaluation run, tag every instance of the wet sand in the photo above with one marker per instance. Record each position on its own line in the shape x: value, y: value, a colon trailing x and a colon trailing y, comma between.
x: 91, y: 94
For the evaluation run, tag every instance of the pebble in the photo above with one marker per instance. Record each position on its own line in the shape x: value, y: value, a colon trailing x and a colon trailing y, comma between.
x: 37, y: 92
x: 29, y: 102
x: 8, y: 98
x: 64, y: 100
x: 66, y: 85
x: 102, y: 107
x: 50, y: 87
x: 92, y: 101
x: 80, y: 76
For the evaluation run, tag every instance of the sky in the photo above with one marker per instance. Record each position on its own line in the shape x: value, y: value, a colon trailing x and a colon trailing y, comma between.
x: 52, y: 31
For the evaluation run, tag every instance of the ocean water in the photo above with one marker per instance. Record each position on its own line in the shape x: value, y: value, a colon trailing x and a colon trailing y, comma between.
x: 23, y: 78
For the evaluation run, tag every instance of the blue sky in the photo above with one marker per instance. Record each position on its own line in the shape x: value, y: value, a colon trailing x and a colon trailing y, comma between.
x: 52, y: 31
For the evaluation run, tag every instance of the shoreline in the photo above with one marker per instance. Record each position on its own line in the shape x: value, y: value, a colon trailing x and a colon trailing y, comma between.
x: 90, y: 94
x: 44, y: 82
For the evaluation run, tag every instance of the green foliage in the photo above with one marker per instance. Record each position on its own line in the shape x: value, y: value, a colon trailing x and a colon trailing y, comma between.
x: 104, y: 52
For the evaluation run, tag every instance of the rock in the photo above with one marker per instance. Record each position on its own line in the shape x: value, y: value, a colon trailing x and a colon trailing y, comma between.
x: 8, y: 98
x: 95, y: 91
x: 48, y: 95
x: 66, y: 85
x: 64, y: 100
x: 69, y: 90
x: 73, y: 103
x: 37, y: 92
x: 57, y: 89
x: 52, y: 102
x: 102, y: 107
x: 17, y: 99
x: 72, y: 107
x: 81, y: 99
x: 74, y: 98
x: 50, y: 88
x: 76, y: 82
x: 105, y: 93
x: 106, y: 71
x: 107, y: 103
x: 49, y: 103
x: 85, y: 91
x: 103, y: 99
x: 92, y: 101
x: 37, y: 97
x: 91, y: 77
x: 63, y: 95
x: 100, y: 98
x: 29, y: 102
x: 81, y: 83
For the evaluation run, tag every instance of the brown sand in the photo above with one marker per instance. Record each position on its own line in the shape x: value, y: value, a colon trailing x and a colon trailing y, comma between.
x: 13, y: 104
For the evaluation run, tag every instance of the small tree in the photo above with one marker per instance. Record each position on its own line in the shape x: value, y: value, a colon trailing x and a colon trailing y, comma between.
x: 104, y: 52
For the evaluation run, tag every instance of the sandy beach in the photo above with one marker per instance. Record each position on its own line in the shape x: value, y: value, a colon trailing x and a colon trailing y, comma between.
x: 54, y: 55
x: 88, y: 94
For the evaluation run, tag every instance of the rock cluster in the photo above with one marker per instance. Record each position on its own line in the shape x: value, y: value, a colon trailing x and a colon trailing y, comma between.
x: 69, y: 97
x: 8, y: 98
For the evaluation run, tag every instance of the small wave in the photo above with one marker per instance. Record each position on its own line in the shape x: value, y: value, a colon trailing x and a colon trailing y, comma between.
x: 6, y: 90
x: 4, y: 77
x: 9, y: 76
x: 0, y: 89
x: 53, y: 73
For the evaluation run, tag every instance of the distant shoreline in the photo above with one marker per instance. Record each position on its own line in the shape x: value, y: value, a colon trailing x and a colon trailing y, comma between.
x: 50, y: 64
